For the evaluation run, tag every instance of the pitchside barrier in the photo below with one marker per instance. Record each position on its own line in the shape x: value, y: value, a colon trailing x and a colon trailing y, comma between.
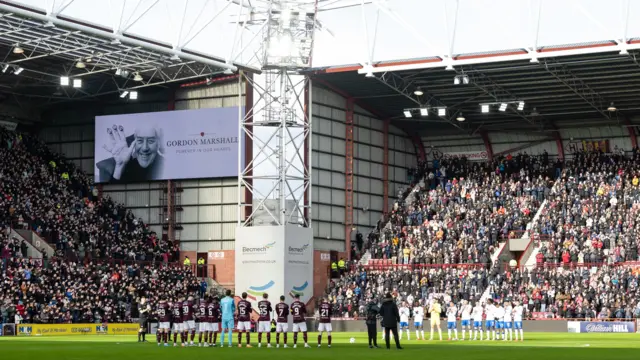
x: 76, y: 329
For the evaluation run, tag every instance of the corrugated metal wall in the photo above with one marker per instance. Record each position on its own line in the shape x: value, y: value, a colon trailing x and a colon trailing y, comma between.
x: 329, y: 165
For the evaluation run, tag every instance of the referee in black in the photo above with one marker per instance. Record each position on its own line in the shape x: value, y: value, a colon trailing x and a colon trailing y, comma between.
x: 372, y: 315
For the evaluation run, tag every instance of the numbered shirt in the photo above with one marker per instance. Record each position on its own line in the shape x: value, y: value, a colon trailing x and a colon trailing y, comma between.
x: 508, y: 311
x: 298, y: 310
x: 282, y: 312
x: 264, y: 310
x: 452, y: 312
x: 202, y: 312
x: 177, y: 312
x: 164, y: 312
x: 325, y: 313
x: 466, y: 312
x: 244, y: 310
x: 188, y: 311
x: 517, y: 313
x: 418, y: 314
x: 211, y: 312
x: 404, y: 314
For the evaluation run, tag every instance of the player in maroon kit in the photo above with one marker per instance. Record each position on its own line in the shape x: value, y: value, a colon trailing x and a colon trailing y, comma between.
x: 188, y: 320
x: 215, y: 317
x: 204, y: 327
x: 299, y: 310
x: 177, y: 322
x: 325, y: 321
x: 282, y: 323
x: 264, y: 319
x: 163, y: 312
x: 244, y: 320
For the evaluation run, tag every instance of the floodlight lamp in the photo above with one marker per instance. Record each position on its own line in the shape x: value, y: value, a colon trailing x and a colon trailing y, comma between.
x: 133, y: 95
x: 442, y: 112
x: 418, y: 92
x: 465, y: 79
x: 281, y: 46
x: 124, y: 94
x: 521, y: 106
x: 118, y: 72
x: 407, y: 114
x: 534, y: 60
x: 424, y: 112
x: 137, y: 77
x: 77, y: 83
x: 64, y: 80
x: 17, y: 49
x: 460, y: 117
x: 503, y: 107
x: 456, y: 80
x: 449, y: 67
x: 5, y: 68
x: 612, y: 107
x: 18, y: 71
x: 80, y: 65
x: 485, y: 108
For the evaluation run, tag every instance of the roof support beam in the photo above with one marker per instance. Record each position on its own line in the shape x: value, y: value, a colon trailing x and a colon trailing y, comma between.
x: 487, y: 144
x: 632, y: 132
x: 7, y: 7
x: 590, y: 96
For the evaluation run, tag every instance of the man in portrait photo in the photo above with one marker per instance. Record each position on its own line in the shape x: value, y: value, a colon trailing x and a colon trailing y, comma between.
x: 136, y: 157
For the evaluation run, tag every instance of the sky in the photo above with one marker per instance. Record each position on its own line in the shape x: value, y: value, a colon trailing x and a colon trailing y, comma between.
x: 409, y: 29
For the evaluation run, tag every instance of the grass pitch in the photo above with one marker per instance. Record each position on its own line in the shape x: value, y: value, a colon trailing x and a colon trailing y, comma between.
x: 537, y: 346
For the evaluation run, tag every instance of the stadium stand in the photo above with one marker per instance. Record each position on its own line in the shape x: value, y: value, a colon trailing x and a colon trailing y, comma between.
x: 106, y: 259
x: 459, y: 210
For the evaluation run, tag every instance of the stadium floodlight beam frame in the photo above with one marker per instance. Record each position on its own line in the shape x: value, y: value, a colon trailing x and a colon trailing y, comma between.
x: 279, y: 122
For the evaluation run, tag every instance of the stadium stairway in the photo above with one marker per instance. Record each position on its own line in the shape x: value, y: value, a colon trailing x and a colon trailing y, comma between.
x: 32, y: 251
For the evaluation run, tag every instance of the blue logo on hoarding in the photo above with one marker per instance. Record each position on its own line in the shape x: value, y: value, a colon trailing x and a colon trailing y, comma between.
x: 607, y: 327
x: 25, y: 330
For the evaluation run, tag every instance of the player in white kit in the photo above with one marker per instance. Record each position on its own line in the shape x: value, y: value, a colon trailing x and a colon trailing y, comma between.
x: 490, y: 322
x: 508, y: 319
x: 404, y: 319
x: 465, y: 317
x: 499, y: 315
x: 418, y: 319
x: 477, y: 321
x: 517, y: 320
x: 452, y: 312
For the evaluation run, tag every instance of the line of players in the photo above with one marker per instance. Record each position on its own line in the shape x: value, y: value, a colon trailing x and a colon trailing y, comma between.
x: 214, y: 316
x: 500, y: 320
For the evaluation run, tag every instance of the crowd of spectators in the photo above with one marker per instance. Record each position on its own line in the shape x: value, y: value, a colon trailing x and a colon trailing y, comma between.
x: 43, y: 191
x: 580, y: 292
x: 459, y: 210
x: 97, y: 292
x: 350, y: 293
x: 594, y: 212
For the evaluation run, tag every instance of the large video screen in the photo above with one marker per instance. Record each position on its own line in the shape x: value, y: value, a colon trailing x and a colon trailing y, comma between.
x: 184, y: 144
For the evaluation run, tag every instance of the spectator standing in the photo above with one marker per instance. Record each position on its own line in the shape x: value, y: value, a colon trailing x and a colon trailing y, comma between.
x: 390, y: 318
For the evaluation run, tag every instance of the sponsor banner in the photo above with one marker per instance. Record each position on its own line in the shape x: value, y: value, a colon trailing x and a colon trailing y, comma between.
x: 185, y: 144
x: 470, y: 155
x: 216, y: 255
x: 601, y: 326
x: 541, y: 315
x: 76, y: 329
x: 9, y: 125
x: 589, y: 146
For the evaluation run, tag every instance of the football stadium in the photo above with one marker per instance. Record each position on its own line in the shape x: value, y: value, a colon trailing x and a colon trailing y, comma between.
x: 317, y: 178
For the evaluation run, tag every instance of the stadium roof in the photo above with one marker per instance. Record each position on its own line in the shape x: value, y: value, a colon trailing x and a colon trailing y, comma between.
x: 558, y: 91
x: 37, y: 48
